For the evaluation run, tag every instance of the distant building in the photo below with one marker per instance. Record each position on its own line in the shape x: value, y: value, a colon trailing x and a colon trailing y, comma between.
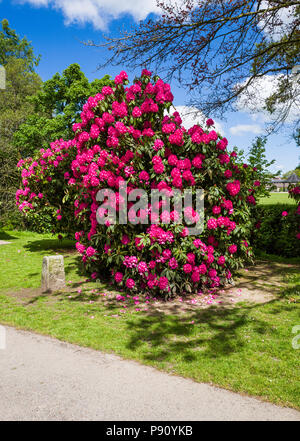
x: 282, y: 184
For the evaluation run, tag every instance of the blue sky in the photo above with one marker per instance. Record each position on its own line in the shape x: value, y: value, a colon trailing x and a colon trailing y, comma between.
x: 57, y: 29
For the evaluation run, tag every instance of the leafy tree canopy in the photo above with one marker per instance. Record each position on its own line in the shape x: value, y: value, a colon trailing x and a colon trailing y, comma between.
x: 256, y: 158
x: 56, y: 107
x: 289, y: 173
x: 14, y: 110
x: 13, y: 46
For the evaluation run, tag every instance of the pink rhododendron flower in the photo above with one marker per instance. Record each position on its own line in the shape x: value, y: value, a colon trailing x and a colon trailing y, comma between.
x: 216, y: 209
x: 232, y: 249
x: 210, y: 122
x: 234, y: 187
x: 173, y: 264
x: 221, y: 260
x: 187, y: 268
x: 142, y: 267
x: 130, y: 283
x: 90, y: 251
x: 118, y: 277
x: 163, y: 283
x: 212, y: 224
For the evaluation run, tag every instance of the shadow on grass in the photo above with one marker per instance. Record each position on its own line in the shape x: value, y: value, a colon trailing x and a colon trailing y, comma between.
x: 222, y: 332
x: 65, y: 245
x: 216, y: 331
x: 6, y: 236
x: 212, y: 333
x: 74, y: 266
x: 169, y: 334
x: 72, y: 289
x: 263, y: 256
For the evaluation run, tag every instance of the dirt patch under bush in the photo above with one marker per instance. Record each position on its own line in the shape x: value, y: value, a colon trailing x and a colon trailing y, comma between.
x: 260, y: 283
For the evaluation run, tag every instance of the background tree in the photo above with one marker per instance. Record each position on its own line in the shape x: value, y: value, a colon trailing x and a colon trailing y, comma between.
x: 32, y: 113
x: 17, y: 56
x: 257, y: 158
x: 221, y: 50
x: 290, y: 172
x: 56, y: 107
x: 13, y: 46
x: 296, y: 136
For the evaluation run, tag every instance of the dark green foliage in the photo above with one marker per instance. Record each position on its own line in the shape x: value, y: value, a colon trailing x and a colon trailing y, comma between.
x: 16, y: 54
x: 277, y: 233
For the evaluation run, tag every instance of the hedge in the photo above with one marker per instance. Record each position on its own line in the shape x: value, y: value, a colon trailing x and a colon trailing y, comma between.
x: 276, y: 231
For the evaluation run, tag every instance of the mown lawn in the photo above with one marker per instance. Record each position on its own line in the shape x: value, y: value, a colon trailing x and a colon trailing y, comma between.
x: 277, y: 198
x: 244, y: 347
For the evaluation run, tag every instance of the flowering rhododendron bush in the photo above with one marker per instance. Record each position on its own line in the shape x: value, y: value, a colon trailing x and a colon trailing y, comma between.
x: 129, y: 135
x: 46, y: 199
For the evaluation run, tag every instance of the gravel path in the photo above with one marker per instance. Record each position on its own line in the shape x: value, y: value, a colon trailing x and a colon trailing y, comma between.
x: 45, y: 379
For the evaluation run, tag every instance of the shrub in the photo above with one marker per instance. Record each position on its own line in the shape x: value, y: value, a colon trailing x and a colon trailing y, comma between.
x: 48, y: 199
x: 125, y: 137
x: 277, y: 229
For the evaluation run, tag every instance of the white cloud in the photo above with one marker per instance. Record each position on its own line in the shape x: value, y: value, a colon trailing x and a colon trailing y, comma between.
x: 98, y: 12
x: 35, y: 2
x: 191, y: 116
x: 280, y: 22
x: 254, y: 100
x: 240, y: 129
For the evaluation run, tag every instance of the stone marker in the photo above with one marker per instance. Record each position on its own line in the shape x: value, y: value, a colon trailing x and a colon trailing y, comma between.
x: 53, y: 273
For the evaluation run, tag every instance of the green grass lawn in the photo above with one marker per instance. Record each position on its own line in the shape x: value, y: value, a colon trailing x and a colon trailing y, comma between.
x: 245, y: 348
x: 277, y: 198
